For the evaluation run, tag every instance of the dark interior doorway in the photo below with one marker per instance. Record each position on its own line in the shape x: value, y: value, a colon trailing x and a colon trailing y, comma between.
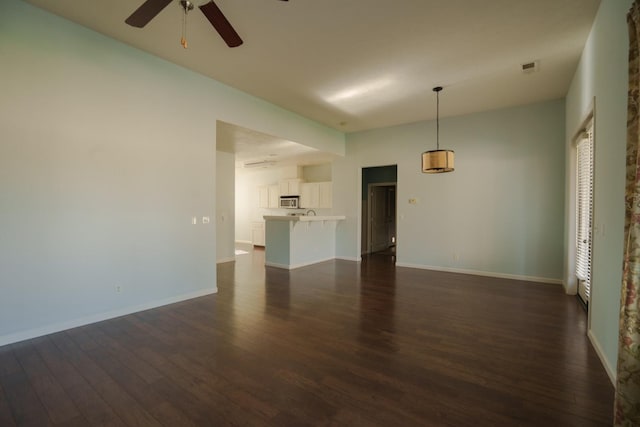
x: 379, y: 189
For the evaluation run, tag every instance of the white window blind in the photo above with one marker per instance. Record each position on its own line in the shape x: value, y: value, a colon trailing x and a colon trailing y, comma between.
x: 584, y: 211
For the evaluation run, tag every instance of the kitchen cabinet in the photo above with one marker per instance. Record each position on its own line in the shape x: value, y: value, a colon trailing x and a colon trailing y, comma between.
x: 309, y: 195
x: 274, y: 196
x: 290, y: 187
x: 325, y: 195
x: 269, y: 196
x: 263, y: 196
x: 296, y: 241
x: 316, y: 195
x: 257, y: 233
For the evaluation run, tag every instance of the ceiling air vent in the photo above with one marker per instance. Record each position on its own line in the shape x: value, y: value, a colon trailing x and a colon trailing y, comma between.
x: 530, y: 67
x: 259, y: 164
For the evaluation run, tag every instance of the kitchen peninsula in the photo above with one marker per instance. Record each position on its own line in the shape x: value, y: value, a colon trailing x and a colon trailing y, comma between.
x: 297, y: 241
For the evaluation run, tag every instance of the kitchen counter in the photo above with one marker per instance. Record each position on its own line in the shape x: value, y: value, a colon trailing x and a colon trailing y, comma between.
x: 294, y: 241
x: 304, y: 218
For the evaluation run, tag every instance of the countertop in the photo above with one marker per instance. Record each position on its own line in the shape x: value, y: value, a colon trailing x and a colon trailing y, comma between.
x: 304, y: 218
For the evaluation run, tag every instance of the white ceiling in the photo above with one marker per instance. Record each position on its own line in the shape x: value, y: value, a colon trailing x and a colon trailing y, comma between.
x: 363, y: 64
x: 250, y: 146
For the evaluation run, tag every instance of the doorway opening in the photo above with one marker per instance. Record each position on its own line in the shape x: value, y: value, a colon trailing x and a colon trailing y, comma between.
x: 379, y: 189
x: 584, y: 211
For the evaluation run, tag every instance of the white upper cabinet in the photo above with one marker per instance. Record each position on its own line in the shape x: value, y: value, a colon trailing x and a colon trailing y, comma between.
x: 274, y: 196
x: 269, y: 196
x: 290, y: 187
x: 263, y: 196
x: 316, y: 195
x: 325, y: 195
x: 309, y: 195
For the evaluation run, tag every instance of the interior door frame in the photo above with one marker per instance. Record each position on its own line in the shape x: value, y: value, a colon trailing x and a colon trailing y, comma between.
x: 571, y: 281
x: 370, y: 186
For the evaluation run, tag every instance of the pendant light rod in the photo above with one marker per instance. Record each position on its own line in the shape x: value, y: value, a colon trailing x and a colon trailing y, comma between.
x: 437, y: 90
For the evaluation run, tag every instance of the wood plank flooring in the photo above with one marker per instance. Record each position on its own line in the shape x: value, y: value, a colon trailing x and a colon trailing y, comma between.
x: 334, y: 344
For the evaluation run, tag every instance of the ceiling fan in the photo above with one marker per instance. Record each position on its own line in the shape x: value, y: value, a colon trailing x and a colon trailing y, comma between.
x: 150, y: 8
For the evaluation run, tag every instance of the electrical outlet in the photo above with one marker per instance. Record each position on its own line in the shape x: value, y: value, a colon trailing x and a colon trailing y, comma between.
x: 413, y: 201
x: 456, y: 256
x: 118, y: 288
x: 206, y: 220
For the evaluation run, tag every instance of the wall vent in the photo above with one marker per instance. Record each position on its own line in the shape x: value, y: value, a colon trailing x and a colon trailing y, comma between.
x: 530, y: 67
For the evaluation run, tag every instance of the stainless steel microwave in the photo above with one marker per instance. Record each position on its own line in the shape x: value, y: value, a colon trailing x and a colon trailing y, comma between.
x: 290, y: 202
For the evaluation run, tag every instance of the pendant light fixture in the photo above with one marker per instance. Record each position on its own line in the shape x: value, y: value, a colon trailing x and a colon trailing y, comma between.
x: 437, y: 161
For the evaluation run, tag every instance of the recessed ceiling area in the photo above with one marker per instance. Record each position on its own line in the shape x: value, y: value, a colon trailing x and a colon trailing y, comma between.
x: 362, y: 64
x: 254, y: 149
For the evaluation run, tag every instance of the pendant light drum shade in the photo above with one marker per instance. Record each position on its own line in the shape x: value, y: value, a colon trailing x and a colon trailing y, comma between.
x: 437, y: 161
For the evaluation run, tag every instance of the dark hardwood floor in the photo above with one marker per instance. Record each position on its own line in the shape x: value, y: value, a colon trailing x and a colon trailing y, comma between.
x: 336, y: 343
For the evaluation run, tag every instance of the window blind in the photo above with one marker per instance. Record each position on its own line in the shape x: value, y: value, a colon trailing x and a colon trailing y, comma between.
x: 584, y: 212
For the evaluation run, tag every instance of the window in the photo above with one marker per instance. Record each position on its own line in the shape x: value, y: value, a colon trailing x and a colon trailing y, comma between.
x: 584, y: 211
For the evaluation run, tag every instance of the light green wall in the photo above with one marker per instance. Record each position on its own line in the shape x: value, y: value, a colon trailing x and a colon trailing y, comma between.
x: 500, y: 212
x: 317, y: 173
x: 106, y: 153
x: 602, y: 73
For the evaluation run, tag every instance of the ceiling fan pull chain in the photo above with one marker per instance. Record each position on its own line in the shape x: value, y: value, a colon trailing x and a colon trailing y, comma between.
x: 183, y: 39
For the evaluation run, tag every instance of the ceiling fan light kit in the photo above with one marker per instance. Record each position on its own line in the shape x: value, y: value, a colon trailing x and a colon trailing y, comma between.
x: 150, y: 8
x: 438, y: 161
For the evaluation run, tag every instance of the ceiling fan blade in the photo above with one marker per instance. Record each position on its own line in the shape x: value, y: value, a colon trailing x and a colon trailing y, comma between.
x: 146, y: 12
x: 221, y: 24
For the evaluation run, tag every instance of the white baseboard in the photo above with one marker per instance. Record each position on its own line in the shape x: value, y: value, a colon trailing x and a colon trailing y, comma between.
x: 483, y: 273
x: 294, y: 266
x: 611, y: 372
x: 347, y: 258
x: 276, y: 265
x: 69, y: 324
x: 248, y: 242
x: 223, y: 260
